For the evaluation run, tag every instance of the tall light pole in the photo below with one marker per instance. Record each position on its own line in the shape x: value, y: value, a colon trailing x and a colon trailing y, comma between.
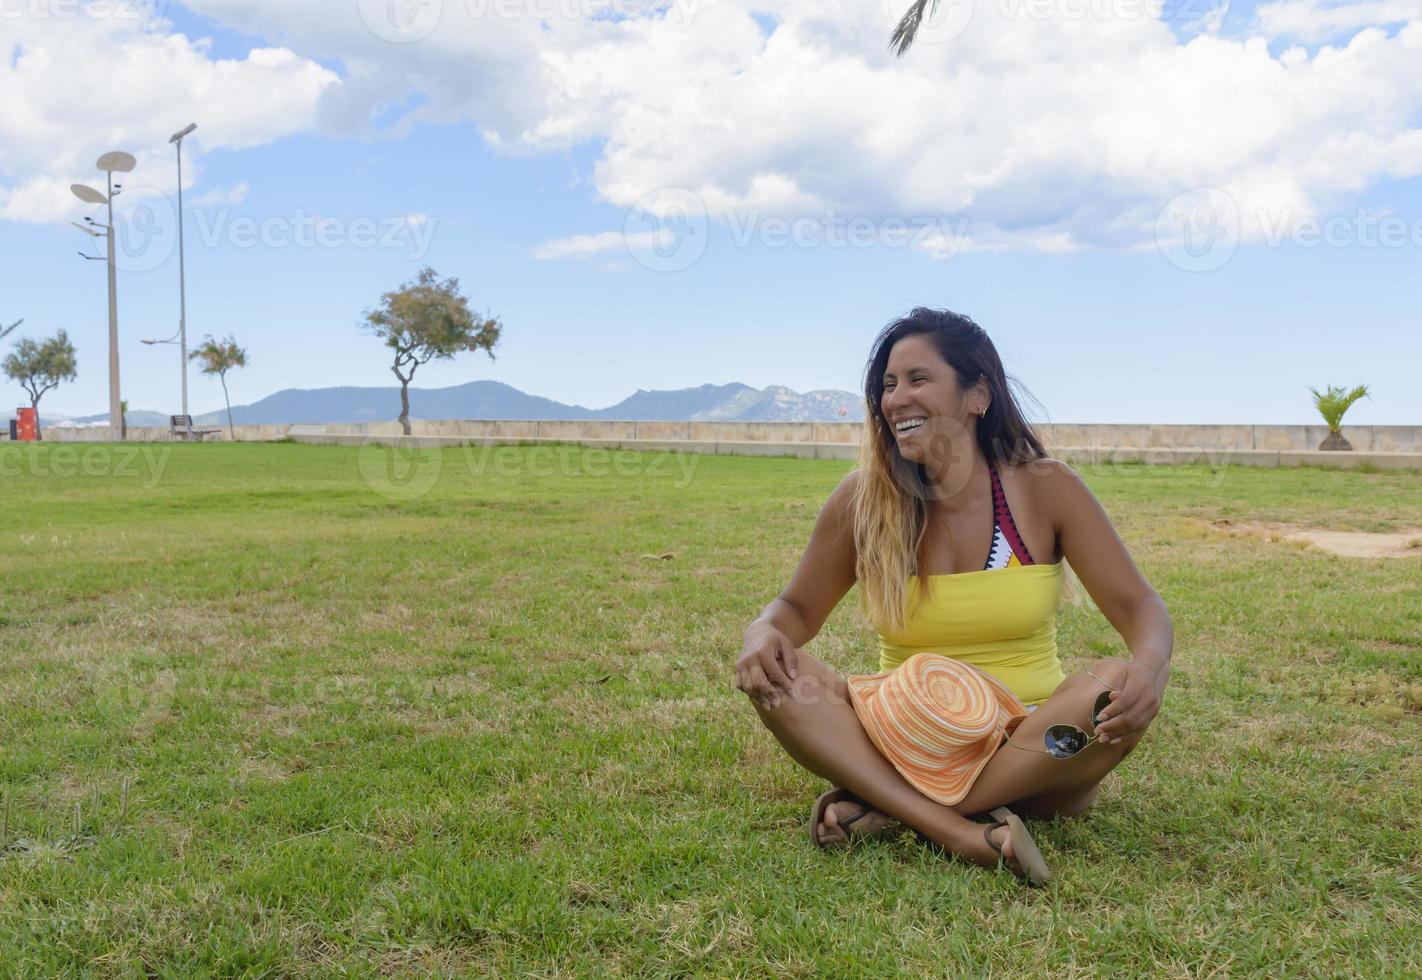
x: 111, y: 163
x: 177, y: 140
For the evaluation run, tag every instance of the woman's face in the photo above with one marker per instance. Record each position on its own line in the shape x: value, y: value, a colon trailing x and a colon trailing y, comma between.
x: 930, y: 414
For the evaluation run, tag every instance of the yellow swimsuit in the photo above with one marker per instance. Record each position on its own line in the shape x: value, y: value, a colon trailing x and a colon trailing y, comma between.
x: 1001, y: 619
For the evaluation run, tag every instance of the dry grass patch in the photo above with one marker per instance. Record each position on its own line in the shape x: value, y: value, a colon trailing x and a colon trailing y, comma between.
x: 1346, y: 544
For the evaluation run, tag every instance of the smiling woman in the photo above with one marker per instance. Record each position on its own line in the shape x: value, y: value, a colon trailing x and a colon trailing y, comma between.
x: 956, y: 525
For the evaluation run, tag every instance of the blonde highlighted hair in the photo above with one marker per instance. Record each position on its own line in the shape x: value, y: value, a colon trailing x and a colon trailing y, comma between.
x: 889, y: 503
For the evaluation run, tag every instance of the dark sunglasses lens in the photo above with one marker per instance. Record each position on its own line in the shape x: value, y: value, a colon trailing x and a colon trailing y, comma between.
x: 1101, y: 703
x: 1065, y: 741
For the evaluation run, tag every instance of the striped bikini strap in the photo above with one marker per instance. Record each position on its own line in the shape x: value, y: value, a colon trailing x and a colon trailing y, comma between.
x: 1002, y: 517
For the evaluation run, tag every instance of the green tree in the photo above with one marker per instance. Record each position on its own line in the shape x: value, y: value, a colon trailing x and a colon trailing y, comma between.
x: 218, y: 357
x: 1332, y: 404
x: 38, y: 367
x: 426, y: 319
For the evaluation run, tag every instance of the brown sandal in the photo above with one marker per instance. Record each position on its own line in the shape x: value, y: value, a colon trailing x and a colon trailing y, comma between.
x: 1024, y: 850
x: 817, y: 816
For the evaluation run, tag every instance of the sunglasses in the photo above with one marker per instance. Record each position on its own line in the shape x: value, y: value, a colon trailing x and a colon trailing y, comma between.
x: 1065, y: 741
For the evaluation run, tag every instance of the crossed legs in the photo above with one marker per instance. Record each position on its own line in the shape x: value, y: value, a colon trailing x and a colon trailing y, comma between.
x: 819, y: 729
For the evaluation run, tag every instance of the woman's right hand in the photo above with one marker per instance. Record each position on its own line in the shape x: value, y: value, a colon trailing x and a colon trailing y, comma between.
x: 767, y: 666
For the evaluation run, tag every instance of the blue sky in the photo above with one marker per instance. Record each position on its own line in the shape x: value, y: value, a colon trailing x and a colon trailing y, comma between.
x: 1101, y: 330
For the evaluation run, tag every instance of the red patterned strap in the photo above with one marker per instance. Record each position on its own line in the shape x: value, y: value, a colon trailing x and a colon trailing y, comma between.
x: 1002, y: 515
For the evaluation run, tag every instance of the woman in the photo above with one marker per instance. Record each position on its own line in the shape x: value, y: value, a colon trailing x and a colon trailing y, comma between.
x: 950, y: 472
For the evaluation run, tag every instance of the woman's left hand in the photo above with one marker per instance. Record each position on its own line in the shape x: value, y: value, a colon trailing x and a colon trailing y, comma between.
x: 1132, y: 709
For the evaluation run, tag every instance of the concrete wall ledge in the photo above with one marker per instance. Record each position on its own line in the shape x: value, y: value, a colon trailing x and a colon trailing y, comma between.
x: 1222, y: 458
x: 1382, y: 447
x: 1075, y: 455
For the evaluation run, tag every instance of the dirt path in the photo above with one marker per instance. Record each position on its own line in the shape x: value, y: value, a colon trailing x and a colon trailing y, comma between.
x: 1349, y: 544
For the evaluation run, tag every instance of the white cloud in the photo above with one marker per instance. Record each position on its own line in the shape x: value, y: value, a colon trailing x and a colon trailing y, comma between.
x: 579, y: 246
x: 1313, y: 20
x: 223, y: 195
x: 1048, y: 125
x: 73, y: 87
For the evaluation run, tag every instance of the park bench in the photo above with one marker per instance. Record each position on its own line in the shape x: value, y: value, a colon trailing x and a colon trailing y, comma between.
x: 181, y: 427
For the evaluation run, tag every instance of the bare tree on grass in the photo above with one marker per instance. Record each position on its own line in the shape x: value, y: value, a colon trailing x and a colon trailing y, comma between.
x: 40, y: 366
x: 218, y: 357
x: 425, y: 319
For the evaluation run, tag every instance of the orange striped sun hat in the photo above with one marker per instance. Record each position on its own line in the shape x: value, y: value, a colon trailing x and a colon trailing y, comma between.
x: 938, y: 720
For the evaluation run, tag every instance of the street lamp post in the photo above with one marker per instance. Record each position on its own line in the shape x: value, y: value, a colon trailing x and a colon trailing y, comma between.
x: 111, y: 163
x: 177, y: 140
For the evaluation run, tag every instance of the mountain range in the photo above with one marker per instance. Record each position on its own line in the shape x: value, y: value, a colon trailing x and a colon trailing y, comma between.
x: 494, y: 400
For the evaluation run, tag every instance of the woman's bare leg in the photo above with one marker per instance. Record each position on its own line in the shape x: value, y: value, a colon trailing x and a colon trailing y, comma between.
x: 818, y: 727
x: 820, y: 730
x: 1034, y: 782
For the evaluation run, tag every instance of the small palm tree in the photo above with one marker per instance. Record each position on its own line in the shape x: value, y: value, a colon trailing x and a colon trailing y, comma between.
x: 1332, y: 404
x: 123, y: 419
x: 219, y: 357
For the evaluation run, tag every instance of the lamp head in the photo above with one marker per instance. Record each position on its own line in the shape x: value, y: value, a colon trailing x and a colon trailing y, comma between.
x: 87, y: 194
x: 178, y: 136
x: 117, y: 161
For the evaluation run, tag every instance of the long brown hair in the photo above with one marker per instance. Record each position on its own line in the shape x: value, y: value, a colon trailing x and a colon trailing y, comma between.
x: 890, y: 501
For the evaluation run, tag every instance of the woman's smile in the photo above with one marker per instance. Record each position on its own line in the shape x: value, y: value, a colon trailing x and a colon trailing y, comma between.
x: 909, y: 426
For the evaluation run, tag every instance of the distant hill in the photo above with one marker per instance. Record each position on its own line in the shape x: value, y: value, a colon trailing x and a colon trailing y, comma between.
x: 495, y: 400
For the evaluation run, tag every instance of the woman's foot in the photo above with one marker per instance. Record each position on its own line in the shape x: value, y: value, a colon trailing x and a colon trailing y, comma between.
x: 1008, y: 837
x: 848, y: 821
x: 1002, y: 844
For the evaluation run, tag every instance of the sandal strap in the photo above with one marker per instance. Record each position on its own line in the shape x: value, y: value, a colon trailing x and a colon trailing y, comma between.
x: 987, y: 835
x: 846, y: 824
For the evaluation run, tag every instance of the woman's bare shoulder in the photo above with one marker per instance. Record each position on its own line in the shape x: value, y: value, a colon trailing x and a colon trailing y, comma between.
x: 841, y: 499
x: 1045, y: 483
x: 1038, y: 475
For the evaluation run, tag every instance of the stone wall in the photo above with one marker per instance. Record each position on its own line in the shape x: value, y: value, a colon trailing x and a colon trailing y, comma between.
x: 1265, y: 438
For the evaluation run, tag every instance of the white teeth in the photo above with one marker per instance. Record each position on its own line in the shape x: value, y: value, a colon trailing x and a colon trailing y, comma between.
x: 907, y: 424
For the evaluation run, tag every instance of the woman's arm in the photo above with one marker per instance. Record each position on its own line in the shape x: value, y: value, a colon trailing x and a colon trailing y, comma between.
x: 1136, y: 610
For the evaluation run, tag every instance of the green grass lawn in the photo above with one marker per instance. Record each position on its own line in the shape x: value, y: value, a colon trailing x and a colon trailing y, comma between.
x: 284, y: 710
